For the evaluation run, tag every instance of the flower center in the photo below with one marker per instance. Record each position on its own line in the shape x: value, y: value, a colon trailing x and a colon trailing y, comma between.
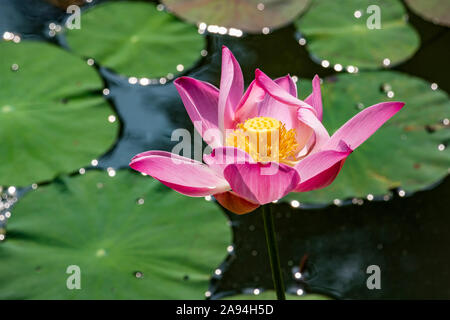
x: 265, y: 139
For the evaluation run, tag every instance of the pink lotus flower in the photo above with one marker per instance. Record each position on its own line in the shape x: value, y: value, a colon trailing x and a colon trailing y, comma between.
x: 305, y: 156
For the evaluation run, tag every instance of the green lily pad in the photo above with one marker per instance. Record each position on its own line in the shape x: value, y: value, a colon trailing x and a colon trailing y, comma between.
x: 49, y: 124
x: 136, y: 39
x: 334, y: 33
x: 131, y: 237
x: 247, y: 15
x: 271, y: 295
x: 436, y: 11
x: 408, y: 151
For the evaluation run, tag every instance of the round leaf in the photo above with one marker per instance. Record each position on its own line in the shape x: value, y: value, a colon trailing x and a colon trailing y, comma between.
x: 131, y: 237
x: 408, y: 151
x: 135, y: 39
x: 334, y: 32
x: 247, y: 15
x: 49, y: 124
x: 437, y: 11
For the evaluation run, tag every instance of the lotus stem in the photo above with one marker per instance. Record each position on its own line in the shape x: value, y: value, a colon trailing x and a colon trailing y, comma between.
x: 272, y: 249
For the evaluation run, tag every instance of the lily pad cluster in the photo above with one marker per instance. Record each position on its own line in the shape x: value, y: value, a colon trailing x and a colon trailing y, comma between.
x: 53, y: 121
x: 45, y: 118
x: 125, y: 236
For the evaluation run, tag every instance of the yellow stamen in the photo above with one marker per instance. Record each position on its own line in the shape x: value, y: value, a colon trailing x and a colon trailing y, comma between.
x: 265, y: 139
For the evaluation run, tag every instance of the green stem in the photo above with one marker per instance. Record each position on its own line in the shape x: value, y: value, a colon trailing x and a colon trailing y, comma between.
x: 272, y: 248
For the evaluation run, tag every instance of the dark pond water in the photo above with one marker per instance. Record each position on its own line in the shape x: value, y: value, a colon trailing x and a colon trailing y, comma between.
x: 331, y: 246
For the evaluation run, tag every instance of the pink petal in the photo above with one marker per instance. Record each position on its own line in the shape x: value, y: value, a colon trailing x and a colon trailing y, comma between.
x: 318, y: 131
x: 315, y: 98
x: 231, y: 89
x: 261, y: 183
x: 310, y: 127
x: 248, y: 106
x: 184, y: 175
x: 278, y: 93
x: 287, y: 84
x: 201, y: 102
x: 223, y: 156
x: 271, y: 107
x: 359, y: 128
x: 234, y: 203
x: 320, y: 169
x: 322, y: 180
x: 163, y: 154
